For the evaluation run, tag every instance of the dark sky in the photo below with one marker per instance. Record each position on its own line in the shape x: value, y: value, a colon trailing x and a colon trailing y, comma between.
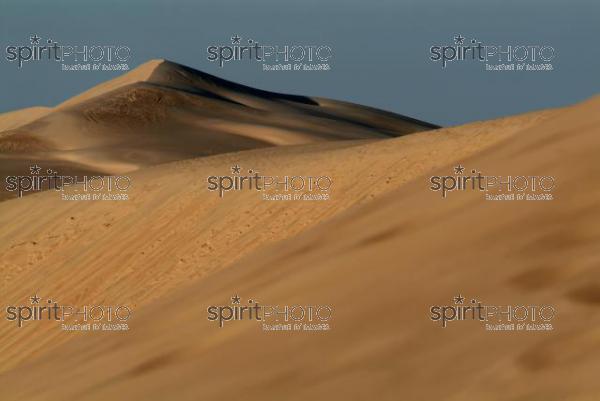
x: 380, y: 49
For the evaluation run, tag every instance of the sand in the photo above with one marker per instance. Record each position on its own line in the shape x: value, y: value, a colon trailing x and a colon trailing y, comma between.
x: 381, y: 251
x: 163, y: 111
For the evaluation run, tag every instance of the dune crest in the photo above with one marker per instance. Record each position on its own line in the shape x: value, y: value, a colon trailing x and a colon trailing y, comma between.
x: 163, y: 111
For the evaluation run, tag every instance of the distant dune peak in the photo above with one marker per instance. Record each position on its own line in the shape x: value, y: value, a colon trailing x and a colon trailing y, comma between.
x: 171, y: 85
x: 163, y: 111
x: 142, y: 73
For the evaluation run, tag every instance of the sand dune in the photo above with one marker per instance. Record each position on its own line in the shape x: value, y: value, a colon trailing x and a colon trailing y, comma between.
x: 173, y: 230
x: 15, y: 119
x: 381, y: 264
x: 381, y: 251
x: 163, y: 111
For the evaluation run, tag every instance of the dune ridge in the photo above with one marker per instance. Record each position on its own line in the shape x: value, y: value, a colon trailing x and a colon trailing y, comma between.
x: 186, y: 230
x: 380, y: 251
x: 163, y: 111
x: 399, y: 253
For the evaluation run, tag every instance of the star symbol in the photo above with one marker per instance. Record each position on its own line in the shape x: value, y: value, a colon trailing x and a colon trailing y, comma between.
x: 235, y: 169
x: 35, y: 40
x: 459, y: 299
x: 459, y: 39
x: 235, y: 40
x: 459, y: 169
x: 235, y: 299
x: 35, y: 299
x: 35, y: 169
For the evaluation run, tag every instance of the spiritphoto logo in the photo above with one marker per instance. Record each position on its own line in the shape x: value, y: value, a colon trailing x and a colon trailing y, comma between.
x: 70, y: 318
x: 495, y: 317
x: 272, y: 317
x: 91, y: 187
x: 495, y: 187
x: 288, y: 188
x: 87, y: 57
x: 512, y: 57
x: 286, y: 57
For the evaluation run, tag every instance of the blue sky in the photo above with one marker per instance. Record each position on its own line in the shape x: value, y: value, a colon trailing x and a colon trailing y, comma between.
x: 380, y: 49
